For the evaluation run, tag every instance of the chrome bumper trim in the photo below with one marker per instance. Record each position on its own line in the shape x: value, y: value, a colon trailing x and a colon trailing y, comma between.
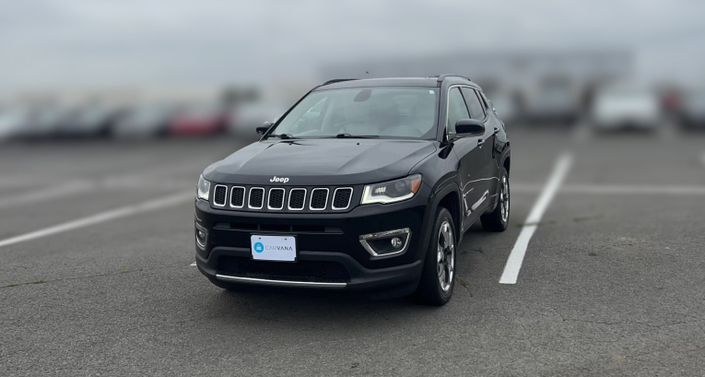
x: 280, y: 283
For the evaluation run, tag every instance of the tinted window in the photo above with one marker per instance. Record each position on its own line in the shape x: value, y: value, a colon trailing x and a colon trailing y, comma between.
x: 456, y: 110
x: 474, y: 105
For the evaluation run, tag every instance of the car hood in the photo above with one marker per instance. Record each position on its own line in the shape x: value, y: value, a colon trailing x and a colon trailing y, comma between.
x: 321, y: 161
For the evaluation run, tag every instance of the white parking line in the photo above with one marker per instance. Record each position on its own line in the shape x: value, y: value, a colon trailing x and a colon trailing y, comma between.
x: 192, y: 264
x: 516, y: 257
x: 144, y: 174
x: 12, y: 182
x: 98, y: 218
x: 634, y: 189
x: 614, y: 189
x: 75, y: 187
x: 47, y: 193
x: 53, y: 188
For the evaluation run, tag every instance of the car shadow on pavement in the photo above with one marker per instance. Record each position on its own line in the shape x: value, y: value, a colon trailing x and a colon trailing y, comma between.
x: 304, y: 308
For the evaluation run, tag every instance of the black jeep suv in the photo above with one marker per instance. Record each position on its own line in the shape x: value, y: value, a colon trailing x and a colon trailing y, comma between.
x: 363, y: 185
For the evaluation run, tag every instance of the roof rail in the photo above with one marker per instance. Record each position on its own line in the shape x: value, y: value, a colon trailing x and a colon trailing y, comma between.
x: 333, y: 81
x: 445, y: 75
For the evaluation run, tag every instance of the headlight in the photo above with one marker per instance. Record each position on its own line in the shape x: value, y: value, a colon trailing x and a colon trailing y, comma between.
x: 392, y: 191
x: 204, y: 188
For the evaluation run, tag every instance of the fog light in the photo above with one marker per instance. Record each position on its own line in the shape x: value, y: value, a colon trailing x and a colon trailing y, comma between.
x: 201, y: 236
x: 386, y: 244
x: 396, y: 242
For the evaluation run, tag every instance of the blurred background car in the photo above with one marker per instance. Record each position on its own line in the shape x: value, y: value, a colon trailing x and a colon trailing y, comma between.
x: 199, y: 120
x: 505, y: 106
x: 44, y: 122
x: 692, y: 111
x: 143, y: 121
x: 12, y: 121
x: 554, y: 101
x: 626, y: 108
x: 90, y: 120
x: 244, y: 119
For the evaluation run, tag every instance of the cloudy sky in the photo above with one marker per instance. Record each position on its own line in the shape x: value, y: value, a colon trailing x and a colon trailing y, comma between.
x: 98, y: 43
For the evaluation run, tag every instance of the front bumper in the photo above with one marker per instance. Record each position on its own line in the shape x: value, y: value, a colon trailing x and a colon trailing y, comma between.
x: 329, y: 254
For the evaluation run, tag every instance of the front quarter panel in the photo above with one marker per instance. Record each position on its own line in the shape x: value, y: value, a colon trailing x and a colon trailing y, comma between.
x: 440, y: 172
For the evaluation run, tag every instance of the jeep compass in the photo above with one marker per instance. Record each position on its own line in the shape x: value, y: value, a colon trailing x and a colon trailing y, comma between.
x: 363, y: 185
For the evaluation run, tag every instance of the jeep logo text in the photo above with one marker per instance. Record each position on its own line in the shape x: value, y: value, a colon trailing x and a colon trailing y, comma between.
x: 279, y: 179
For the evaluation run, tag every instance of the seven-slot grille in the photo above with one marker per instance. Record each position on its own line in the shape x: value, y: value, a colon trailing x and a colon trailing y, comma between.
x: 273, y: 199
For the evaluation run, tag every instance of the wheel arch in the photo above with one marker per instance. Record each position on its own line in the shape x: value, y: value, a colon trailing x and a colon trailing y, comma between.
x: 449, y: 198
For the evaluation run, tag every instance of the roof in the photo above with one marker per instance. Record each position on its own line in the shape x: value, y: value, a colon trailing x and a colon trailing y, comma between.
x: 430, y: 82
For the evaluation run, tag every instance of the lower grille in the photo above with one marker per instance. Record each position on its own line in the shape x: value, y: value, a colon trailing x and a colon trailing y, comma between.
x: 285, y: 228
x: 302, y: 270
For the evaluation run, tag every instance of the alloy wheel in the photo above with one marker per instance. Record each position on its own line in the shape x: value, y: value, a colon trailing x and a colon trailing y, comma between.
x: 445, y: 255
x: 504, y: 199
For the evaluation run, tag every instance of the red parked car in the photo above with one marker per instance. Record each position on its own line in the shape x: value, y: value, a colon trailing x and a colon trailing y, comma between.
x: 199, y: 121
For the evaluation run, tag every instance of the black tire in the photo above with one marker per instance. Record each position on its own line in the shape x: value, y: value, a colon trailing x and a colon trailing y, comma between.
x: 430, y: 290
x: 498, y: 219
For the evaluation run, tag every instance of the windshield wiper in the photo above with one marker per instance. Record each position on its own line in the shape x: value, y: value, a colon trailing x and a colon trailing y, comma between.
x: 351, y: 136
x: 281, y: 136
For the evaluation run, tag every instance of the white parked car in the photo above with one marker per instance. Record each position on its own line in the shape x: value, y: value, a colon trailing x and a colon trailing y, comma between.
x: 505, y: 107
x: 626, y: 108
x: 13, y: 121
x: 144, y: 121
x: 244, y: 119
x: 692, y: 113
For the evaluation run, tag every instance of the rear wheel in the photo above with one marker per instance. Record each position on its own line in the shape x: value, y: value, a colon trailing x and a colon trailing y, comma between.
x: 497, y: 220
x: 438, y: 276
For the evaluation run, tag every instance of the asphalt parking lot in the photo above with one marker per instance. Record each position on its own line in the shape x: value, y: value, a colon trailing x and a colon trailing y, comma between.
x: 96, y: 278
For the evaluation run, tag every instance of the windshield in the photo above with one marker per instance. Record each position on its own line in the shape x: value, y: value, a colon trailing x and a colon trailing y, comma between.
x: 363, y: 112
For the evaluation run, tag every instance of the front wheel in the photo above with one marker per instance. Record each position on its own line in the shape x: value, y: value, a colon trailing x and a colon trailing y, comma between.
x: 497, y: 220
x: 438, y: 277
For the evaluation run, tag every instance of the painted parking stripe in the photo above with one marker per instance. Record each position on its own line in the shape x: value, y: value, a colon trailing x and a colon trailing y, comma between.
x: 614, y: 189
x: 72, y: 188
x: 52, y: 188
x: 11, y: 182
x: 47, y: 193
x: 634, y: 189
x: 516, y: 257
x: 113, y: 214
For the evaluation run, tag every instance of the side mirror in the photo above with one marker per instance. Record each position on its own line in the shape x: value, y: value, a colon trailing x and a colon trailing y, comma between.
x: 469, y: 127
x: 263, y: 128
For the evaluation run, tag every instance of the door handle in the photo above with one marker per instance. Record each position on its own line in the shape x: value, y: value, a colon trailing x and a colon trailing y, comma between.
x: 480, y: 141
x: 496, y: 130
